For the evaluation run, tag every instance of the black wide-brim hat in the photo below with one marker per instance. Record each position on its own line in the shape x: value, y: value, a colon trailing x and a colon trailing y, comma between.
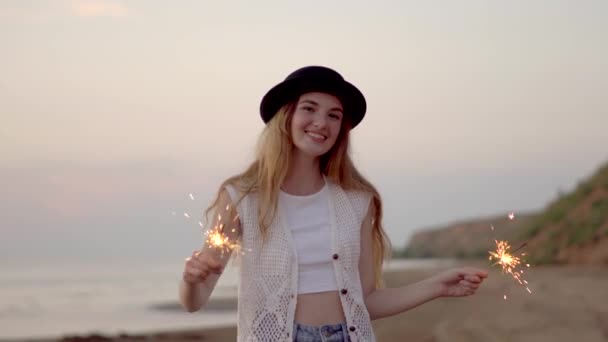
x: 315, y: 79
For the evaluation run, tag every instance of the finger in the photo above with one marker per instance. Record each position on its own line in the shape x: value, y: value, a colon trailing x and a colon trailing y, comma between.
x: 192, y: 264
x: 191, y: 278
x: 208, y: 270
x: 193, y: 271
x: 470, y: 271
x: 199, y: 275
x: 195, y: 262
x: 473, y: 278
x: 468, y: 284
x: 481, y: 273
x: 191, y: 257
x: 213, y: 263
x: 217, y: 269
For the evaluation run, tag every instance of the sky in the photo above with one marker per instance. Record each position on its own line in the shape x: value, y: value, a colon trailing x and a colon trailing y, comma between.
x: 113, y: 112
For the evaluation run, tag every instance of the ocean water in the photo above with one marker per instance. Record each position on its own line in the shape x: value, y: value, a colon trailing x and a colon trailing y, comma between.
x: 57, y: 299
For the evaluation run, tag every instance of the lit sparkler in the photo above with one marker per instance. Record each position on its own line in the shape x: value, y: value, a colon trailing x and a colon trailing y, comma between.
x: 219, y: 240
x: 509, y: 262
x: 219, y: 236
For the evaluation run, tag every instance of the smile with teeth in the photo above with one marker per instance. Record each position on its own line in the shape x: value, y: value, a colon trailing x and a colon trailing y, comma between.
x: 316, y: 136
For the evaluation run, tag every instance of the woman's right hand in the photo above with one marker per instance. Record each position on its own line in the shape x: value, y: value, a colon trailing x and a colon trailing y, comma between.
x: 199, y: 266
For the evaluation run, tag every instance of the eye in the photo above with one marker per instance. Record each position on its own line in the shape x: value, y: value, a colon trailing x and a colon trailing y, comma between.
x: 334, y: 116
x: 308, y: 109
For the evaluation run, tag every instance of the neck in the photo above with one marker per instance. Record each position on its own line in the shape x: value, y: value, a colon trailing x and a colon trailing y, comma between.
x: 304, y: 175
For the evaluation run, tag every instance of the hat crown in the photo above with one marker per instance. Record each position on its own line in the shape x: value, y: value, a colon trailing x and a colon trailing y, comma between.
x: 316, y: 72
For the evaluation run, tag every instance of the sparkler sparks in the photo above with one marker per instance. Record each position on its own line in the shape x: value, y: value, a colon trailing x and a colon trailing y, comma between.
x: 216, y: 238
x: 219, y: 240
x: 220, y: 237
x: 509, y: 262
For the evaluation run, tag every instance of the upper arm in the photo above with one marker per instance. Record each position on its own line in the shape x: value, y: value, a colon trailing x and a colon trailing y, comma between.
x: 366, y: 257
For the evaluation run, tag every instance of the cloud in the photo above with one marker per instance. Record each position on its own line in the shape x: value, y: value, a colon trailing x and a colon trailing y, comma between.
x: 98, y: 8
x: 21, y: 12
x: 18, y: 12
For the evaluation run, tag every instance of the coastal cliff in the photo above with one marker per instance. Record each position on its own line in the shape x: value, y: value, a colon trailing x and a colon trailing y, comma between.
x: 573, y: 229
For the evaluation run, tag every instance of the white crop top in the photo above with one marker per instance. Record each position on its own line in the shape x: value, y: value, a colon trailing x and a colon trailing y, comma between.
x: 308, y: 219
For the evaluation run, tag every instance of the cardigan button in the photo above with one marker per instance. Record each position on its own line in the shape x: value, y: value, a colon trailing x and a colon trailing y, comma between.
x: 344, y: 291
x: 352, y: 328
x: 335, y: 256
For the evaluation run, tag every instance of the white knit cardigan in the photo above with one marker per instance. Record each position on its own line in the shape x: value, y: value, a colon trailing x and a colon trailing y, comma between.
x: 267, y: 289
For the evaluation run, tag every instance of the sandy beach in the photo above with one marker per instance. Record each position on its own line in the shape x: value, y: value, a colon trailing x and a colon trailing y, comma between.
x: 567, y: 303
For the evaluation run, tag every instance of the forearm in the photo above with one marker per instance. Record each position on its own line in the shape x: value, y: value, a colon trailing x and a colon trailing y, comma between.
x: 391, y: 301
x: 190, y: 296
x: 194, y: 296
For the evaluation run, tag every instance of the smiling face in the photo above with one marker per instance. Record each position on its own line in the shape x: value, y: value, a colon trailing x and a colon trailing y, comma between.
x: 316, y: 123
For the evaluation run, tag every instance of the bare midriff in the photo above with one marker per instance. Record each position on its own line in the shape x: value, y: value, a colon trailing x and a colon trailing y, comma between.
x: 322, y: 308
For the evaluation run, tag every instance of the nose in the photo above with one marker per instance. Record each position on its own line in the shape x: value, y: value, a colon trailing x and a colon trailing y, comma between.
x: 320, y: 121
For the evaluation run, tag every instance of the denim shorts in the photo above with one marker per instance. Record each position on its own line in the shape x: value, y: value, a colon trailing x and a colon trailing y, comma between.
x: 323, y: 333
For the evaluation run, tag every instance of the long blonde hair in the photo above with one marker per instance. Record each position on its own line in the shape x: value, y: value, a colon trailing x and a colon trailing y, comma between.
x: 266, y: 174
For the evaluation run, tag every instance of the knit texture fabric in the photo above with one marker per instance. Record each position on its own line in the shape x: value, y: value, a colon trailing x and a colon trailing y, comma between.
x: 267, y: 289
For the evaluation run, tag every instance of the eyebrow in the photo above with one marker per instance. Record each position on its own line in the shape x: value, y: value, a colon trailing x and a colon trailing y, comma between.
x: 316, y: 104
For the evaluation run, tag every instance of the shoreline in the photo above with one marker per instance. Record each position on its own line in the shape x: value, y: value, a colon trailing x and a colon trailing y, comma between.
x: 219, y: 304
x: 567, y: 303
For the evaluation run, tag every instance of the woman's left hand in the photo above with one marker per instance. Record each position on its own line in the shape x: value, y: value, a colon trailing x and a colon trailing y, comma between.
x: 459, y: 282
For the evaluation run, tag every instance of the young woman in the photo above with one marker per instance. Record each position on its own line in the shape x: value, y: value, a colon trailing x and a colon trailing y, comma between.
x: 311, y: 226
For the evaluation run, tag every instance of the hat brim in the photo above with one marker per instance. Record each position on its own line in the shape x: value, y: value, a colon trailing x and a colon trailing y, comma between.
x: 352, y: 99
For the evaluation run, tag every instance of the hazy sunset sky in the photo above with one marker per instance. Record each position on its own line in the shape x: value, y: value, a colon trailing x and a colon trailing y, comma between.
x: 112, y: 112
